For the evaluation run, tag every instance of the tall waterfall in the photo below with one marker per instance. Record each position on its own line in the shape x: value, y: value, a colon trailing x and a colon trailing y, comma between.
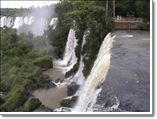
x: 96, y: 77
x: 70, y: 47
x: 18, y: 22
x: 69, y: 59
x: 79, y: 77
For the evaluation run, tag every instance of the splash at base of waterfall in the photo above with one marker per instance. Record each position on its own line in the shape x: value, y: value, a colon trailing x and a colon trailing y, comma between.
x: 96, y: 77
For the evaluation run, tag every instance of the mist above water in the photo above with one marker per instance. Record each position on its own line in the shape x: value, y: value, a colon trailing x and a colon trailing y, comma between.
x: 41, y: 18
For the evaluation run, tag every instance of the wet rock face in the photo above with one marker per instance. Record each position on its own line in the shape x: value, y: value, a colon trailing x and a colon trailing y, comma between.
x: 47, y: 82
x: 57, y: 80
x: 72, y: 88
x: 51, y: 85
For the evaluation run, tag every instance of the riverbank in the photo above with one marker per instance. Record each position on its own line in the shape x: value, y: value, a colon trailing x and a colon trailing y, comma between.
x: 51, y: 97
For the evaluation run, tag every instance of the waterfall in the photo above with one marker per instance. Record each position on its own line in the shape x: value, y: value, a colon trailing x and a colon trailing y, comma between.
x: 69, y: 59
x: 79, y: 77
x: 28, y: 20
x: 7, y: 21
x: 3, y: 19
x: 97, y: 75
x: 31, y: 20
x: 53, y: 22
x: 37, y: 25
x: 18, y: 22
x: 70, y: 45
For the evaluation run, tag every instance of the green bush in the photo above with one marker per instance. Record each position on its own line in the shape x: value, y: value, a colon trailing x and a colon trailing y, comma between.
x: 14, y: 99
x: 31, y: 104
x: 44, y: 62
x: 69, y: 102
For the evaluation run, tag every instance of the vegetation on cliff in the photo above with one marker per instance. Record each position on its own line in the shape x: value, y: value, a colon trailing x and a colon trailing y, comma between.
x: 94, y: 16
x: 81, y: 15
x: 21, y: 70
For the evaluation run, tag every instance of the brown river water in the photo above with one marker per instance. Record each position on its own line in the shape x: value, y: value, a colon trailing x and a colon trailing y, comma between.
x: 52, y: 97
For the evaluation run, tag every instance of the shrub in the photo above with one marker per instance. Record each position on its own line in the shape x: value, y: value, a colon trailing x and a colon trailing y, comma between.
x: 44, y: 62
x: 31, y: 104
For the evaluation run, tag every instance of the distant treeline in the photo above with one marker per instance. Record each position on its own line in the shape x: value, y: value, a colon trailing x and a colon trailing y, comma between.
x: 13, y: 12
x: 136, y: 8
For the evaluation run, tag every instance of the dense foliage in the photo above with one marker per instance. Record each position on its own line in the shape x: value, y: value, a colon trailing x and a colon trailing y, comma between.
x: 21, y: 70
x: 135, y: 8
x: 82, y: 16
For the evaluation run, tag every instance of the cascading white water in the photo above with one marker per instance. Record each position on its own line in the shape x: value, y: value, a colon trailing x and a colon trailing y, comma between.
x: 37, y: 25
x: 18, y: 22
x: 70, y: 46
x: 10, y: 22
x: 3, y: 19
x: 79, y: 77
x: 31, y: 20
x: 69, y: 59
x: 7, y: 21
x: 28, y: 20
x: 96, y: 77
x: 53, y: 22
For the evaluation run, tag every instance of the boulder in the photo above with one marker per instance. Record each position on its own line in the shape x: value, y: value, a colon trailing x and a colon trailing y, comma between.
x: 50, y: 85
x: 66, y: 109
x: 57, y: 80
x: 72, y: 88
x: 69, y: 102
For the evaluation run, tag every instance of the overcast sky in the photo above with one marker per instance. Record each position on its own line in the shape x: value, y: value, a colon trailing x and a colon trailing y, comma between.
x: 26, y: 4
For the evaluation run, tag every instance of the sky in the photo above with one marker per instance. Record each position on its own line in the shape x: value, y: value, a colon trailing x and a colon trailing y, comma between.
x: 26, y: 4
